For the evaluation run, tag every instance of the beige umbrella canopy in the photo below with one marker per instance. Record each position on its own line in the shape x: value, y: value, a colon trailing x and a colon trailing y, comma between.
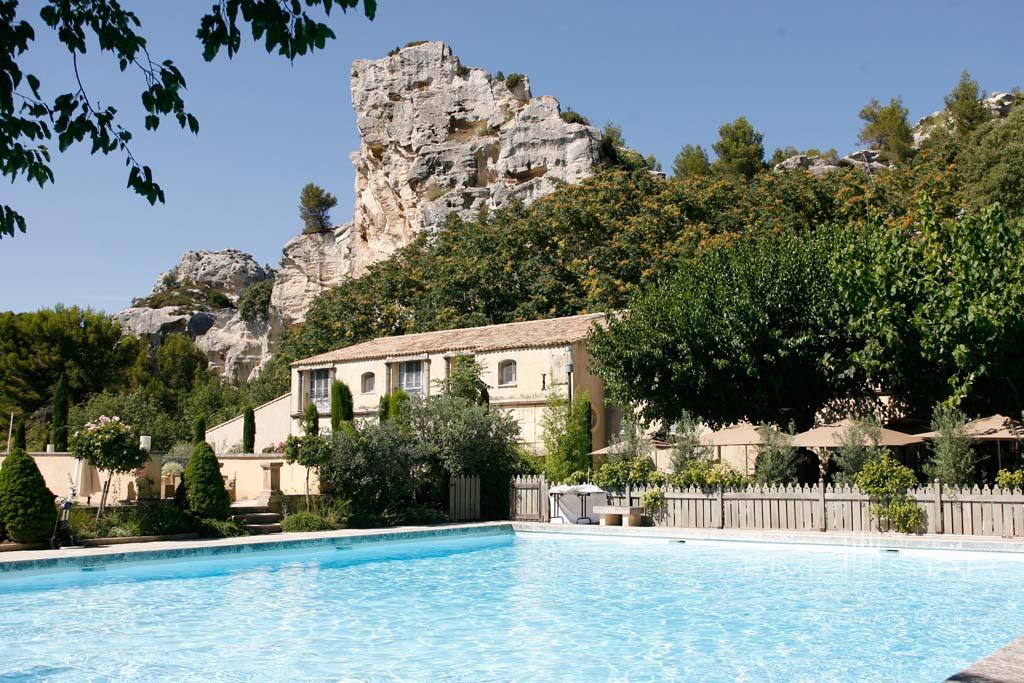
x: 828, y: 436
x: 739, y: 434
x: 992, y: 428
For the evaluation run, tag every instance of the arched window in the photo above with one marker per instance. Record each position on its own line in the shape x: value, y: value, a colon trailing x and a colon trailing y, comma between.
x: 506, y: 372
x: 368, y: 382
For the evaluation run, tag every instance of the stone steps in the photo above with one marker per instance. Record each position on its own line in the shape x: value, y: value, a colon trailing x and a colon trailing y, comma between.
x: 256, y: 519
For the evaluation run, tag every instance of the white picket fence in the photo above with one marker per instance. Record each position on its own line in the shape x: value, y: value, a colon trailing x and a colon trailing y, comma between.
x: 819, y: 507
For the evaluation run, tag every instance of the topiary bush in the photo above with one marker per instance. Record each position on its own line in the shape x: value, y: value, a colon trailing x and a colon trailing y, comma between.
x: 305, y: 521
x: 204, y: 486
x: 26, y: 505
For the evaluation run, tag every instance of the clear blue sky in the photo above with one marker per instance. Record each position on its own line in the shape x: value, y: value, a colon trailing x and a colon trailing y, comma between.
x: 669, y: 72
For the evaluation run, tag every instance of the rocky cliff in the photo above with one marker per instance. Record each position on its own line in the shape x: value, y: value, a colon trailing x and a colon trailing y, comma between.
x: 436, y: 138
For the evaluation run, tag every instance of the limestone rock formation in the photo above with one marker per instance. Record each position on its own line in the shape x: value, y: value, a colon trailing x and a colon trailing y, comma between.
x: 868, y: 160
x: 229, y: 271
x: 439, y: 138
x: 310, y: 264
x: 233, y: 346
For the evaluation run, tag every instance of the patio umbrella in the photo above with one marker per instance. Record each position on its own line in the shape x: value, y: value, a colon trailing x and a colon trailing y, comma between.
x: 557, y: 492
x: 740, y: 434
x: 996, y: 428
x: 828, y: 436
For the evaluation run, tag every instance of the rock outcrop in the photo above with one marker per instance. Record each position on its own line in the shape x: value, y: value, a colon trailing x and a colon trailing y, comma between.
x: 310, y: 264
x: 868, y: 160
x: 234, y: 347
x: 439, y: 138
x: 229, y: 271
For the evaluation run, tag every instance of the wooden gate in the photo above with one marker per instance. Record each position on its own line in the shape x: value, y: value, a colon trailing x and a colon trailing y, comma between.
x: 528, y: 498
x: 464, y: 499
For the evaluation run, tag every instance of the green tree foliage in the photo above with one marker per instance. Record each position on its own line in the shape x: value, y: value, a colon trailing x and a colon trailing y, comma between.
x: 19, y: 434
x: 139, y: 408
x: 254, y: 303
x: 585, y: 247
x: 180, y: 364
x: 857, y: 446
x: 248, y: 430
x: 110, y: 445
x: 887, y: 129
x: 28, y: 119
x: 740, y: 149
x: 776, y: 457
x: 887, y: 481
x: 691, y: 161
x: 964, y: 107
x: 567, y: 437
x: 953, y: 459
x: 204, y: 485
x: 992, y: 164
x: 687, y: 447
x: 936, y: 316
x: 311, y: 420
x: 199, y: 430
x: 35, y: 348
x: 59, y: 423
x: 27, y: 510
x: 315, y: 204
x: 748, y: 331
x: 464, y: 381
x: 616, y: 153
x: 341, y: 404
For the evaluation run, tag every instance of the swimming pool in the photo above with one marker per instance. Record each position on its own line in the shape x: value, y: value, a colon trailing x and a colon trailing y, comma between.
x: 527, y: 607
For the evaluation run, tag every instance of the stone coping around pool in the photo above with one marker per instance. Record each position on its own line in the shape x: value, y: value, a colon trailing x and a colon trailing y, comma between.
x: 830, y: 538
x: 1002, y: 666
x: 77, y: 557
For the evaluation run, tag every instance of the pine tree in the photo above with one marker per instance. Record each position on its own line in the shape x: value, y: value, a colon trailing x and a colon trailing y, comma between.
x: 964, y: 106
x: 690, y: 162
x: 311, y: 420
x: 26, y: 505
x: 740, y: 149
x: 248, y: 430
x: 19, y: 434
x: 315, y: 204
x: 60, y: 415
x: 341, y: 405
x: 887, y: 129
x: 199, y: 430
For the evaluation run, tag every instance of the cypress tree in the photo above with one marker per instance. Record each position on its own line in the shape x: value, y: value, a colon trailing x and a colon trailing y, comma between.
x: 60, y: 415
x: 199, y: 430
x: 248, y: 430
x: 26, y: 505
x: 19, y: 435
x: 311, y: 420
x: 341, y: 405
x: 384, y: 407
x: 204, y: 485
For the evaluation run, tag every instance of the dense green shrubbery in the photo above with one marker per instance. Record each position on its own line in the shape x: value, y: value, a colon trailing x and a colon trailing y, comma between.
x: 187, y: 297
x: 513, y: 79
x: 305, y: 521
x: 254, y: 303
x: 204, y: 485
x: 27, y: 509
x: 887, y: 481
x: 220, y: 528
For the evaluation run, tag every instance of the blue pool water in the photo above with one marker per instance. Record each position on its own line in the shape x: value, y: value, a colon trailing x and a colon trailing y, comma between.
x: 524, y: 608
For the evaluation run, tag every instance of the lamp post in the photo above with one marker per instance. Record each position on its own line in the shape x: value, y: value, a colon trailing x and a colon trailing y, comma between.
x: 568, y: 370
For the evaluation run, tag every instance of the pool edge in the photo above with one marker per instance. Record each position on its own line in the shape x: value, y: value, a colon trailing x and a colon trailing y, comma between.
x: 78, y: 557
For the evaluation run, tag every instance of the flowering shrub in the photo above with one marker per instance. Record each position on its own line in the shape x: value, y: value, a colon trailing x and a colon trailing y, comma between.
x: 108, y: 444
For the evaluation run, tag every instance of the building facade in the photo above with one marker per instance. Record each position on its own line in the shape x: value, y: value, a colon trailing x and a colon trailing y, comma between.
x: 523, y: 365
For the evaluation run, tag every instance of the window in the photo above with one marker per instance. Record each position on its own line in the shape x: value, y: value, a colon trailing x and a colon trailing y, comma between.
x: 367, y: 383
x: 319, y: 389
x: 506, y: 372
x: 410, y: 377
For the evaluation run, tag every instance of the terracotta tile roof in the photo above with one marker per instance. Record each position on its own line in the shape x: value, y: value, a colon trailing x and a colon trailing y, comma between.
x: 533, y: 333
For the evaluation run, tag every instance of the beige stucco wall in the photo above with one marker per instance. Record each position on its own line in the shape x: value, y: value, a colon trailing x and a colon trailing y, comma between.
x: 272, y: 427
x: 62, y: 471
x: 539, y: 372
x: 249, y: 477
